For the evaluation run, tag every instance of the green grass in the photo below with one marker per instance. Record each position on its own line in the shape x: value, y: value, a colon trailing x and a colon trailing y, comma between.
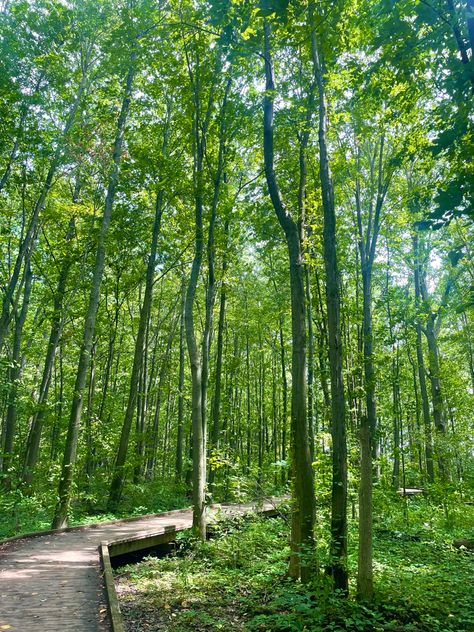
x: 236, y: 581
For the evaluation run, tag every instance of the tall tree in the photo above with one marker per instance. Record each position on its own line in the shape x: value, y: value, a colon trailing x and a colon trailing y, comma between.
x: 338, y: 567
x: 70, y: 450
x: 119, y: 472
x: 302, y: 474
x: 368, y: 236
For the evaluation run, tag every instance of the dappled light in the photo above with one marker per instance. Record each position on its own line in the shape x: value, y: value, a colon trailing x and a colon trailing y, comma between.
x: 236, y: 264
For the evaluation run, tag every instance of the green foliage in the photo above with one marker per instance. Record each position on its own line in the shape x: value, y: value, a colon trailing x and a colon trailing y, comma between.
x: 21, y: 513
x: 399, y: 133
x: 237, y: 579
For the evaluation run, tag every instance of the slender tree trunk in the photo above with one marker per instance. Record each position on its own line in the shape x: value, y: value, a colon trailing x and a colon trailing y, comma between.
x: 36, y: 428
x: 118, y: 477
x: 59, y: 398
x: 284, y: 394
x: 397, y: 421
x: 14, y: 375
x: 368, y: 424
x: 153, y: 449
x: 211, y: 280
x: 421, y: 368
x: 27, y: 242
x: 140, y: 405
x: 416, y: 393
x: 302, y: 473
x: 216, y: 405
x: 70, y: 451
x: 109, y: 365
x: 436, y: 392
x: 199, y: 358
x: 89, y: 465
x: 195, y: 360
x: 425, y: 405
x: 323, y: 346
x: 180, y: 432
x: 338, y: 565
x: 439, y: 415
x: 198, y: 439
x: 249, y: 410
x: 309, y: 317
x: 365, y: 570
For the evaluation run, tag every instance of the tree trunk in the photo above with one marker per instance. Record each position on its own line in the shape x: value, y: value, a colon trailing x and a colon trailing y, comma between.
x: 367, y: 424
x: 198, y: 437
x: 421, y: 367
x: 284, y: 394
x: 89, y: 465
x: 302, y: 473
x: 180, y: 431
x: 396, y: 423
x: 338, y: 565
x: 27, y: 242
x: 309, y: 318
x: 211, y: 281
x: 14, y: 375
x: 118, y: 477
x: 36, y: 428
x: 216, y: 405
x: 67, y: 470
x: 425, y: 405
x: 153, y: 443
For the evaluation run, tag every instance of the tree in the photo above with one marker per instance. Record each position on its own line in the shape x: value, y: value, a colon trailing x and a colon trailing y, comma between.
x: 70, y: 451
x: 302, y: 474
x: 338, y: 422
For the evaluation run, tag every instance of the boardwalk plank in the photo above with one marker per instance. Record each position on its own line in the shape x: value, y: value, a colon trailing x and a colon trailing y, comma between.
x: 54, y: 582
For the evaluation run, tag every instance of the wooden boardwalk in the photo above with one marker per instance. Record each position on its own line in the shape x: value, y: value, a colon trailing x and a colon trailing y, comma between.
x: 54, y: 582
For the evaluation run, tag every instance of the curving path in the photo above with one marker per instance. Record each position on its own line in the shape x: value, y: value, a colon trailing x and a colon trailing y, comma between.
x: 53, y: 582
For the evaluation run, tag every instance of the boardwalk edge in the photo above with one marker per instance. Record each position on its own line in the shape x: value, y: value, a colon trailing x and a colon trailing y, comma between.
x: 116, y: 622
x: 168, y: 534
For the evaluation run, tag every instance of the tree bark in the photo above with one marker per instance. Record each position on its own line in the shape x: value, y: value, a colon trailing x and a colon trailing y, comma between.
x: 302, y: 473
x: 338, y: 565
x: 309, y: 318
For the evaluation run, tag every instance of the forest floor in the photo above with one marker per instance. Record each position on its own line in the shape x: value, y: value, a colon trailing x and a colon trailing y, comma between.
x: 236, y: 581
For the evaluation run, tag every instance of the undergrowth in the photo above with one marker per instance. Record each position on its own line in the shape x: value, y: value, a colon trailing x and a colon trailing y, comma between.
x: 22, y: 513
x: 236, y: 581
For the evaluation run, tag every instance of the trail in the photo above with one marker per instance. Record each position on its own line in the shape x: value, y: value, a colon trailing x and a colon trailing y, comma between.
x: 54, y: 581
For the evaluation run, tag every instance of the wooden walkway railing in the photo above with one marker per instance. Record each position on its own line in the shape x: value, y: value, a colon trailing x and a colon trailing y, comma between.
x: 55, y: 581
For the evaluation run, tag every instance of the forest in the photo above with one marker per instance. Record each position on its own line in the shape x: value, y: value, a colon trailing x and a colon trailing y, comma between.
x: 237, y: 261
